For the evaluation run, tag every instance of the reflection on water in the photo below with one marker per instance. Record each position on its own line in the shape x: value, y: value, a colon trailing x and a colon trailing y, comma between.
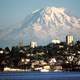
x: 39, y: 76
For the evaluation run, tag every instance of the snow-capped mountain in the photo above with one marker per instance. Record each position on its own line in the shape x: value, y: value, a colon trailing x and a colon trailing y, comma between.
x: 44, y: 25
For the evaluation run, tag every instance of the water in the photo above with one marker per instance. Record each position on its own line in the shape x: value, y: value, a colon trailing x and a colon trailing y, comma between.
x: 39, y: 76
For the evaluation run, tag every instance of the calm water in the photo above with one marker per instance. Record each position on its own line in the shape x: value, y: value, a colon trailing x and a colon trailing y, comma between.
x: 39, y: 76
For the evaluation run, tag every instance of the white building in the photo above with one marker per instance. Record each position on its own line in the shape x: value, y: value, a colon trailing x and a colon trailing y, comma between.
x: 13, y: 69
x: 33, y: 44
x: 56, y: 41
x: 25, y: 61
x: 70, y: 58
x: 52, y: 61
x: 1, y: 51
x: 69, y: 39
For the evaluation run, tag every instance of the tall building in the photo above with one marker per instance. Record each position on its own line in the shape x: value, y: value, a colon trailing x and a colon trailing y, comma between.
x: 20, y: 39
x: 69, y: 39
x: 33, y: 44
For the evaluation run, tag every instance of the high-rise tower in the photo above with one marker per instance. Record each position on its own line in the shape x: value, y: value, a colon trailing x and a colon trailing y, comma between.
x: 69, y: 39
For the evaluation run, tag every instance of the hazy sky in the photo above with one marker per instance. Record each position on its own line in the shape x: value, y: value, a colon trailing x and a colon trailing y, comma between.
x: 14, y: 11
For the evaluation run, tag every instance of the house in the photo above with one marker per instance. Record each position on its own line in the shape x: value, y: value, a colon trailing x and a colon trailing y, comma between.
x: 52, y: 61
x: 70, y: 58
x: 46, y: 67
x: 25, y: 60
x: 1, y: 51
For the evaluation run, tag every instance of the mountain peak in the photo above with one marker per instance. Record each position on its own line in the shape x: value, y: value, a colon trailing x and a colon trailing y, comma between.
x: 53, y: 9
x: 50, y: 23
x: 49, y: 10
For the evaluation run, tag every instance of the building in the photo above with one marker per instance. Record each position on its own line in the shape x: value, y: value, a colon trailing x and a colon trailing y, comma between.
x: 1, y: 51
x: 25, y: 61
x: 58, y: 68
x: 13, y: 69
x: 33, y: 44
x: 69, y: 40
x: 52, y: 61
x: 56, y: 41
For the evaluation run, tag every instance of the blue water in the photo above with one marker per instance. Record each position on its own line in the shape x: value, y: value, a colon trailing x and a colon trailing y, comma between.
x: 39, y: 76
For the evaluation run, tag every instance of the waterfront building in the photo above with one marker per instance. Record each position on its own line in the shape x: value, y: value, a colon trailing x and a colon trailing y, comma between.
x: 46, y: 67
x: 58, y: 68
x: 13, y: 69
